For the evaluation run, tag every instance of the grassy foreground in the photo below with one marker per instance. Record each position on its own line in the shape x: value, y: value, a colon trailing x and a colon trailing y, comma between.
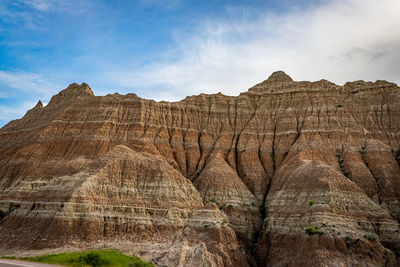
x: 93, y: 258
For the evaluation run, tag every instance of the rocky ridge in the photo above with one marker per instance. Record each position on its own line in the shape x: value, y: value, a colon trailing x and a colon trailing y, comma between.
x: 287, y: 173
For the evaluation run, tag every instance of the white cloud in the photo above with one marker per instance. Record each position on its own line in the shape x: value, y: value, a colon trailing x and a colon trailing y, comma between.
x: 33, y: 14
x: 339, y: 40
x: 17, y: 82
x: 40, y: 5
x: 68, y: 6
x: 166, y: 4
x: 21, y: 91
x: 10, y: 113
x: 4, y: 94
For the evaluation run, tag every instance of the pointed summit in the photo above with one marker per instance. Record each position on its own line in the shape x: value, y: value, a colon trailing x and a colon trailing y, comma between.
x: 38, y: 105
x: 279, y: 76
x: 277, y: 79
x: 76, y: 90
x: 72, y: 91
x: 33, y: 110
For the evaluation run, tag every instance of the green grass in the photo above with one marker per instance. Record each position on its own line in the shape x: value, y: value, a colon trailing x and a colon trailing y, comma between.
x: 351, y: 241
x: 8, y: 257
x: 311, y: 202
x: 95, y: 258
x: 314, y: 230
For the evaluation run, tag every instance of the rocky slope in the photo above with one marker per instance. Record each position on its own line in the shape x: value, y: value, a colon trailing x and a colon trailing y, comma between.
x: 287, y: 173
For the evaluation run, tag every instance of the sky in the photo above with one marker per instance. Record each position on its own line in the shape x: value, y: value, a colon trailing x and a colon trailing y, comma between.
x: 169, y: 49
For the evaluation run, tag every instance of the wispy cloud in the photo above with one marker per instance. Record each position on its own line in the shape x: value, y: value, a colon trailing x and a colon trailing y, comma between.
x: 35, y: 14
x: 115, y: 49
x: 67, y: 6
x: 20, y: 91
x: 41, y: 5
x: 338, y: 40
x: 9, y: 113
x: 12, y: 82
x: 166, y: 4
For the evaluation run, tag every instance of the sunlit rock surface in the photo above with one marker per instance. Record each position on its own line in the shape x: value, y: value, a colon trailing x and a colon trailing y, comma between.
x: 212, y: 180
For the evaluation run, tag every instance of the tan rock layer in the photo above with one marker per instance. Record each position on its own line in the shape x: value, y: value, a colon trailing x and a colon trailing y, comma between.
x: 263, y: 155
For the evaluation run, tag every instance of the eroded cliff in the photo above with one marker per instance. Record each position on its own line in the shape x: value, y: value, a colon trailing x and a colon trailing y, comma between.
x: 287, y: 173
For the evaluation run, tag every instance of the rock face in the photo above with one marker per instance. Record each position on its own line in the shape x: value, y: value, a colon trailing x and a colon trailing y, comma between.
x: 286, y: 174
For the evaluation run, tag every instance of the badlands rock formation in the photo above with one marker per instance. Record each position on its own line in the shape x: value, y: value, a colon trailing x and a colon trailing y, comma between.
x: 286, y: 174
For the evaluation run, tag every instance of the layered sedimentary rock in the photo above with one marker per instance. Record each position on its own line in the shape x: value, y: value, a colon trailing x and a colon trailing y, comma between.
x: 287, y: 173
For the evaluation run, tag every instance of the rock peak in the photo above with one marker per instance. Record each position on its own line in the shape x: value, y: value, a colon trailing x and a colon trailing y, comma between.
x: 277, y: 79
x: 39, y: 104
x: 72, y: 91
x: 76, y: 89
x: 279, y: 76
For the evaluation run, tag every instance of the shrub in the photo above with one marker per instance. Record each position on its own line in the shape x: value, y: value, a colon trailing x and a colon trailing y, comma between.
x: 253, y: 203
x: 224, y: 221
x: 311, y: 202
x: 339, y: 105
x: 369, y: 237
x: 206, y: 225
x: 212, y: 199
x: 92, y: 259
x: 313, y: 230
x: 229, y: 206
x: 352, y: 241
x: 13, y: 207
x: 363, y: 147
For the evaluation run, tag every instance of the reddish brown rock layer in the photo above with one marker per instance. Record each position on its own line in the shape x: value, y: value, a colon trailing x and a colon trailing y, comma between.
x: 276, y: 160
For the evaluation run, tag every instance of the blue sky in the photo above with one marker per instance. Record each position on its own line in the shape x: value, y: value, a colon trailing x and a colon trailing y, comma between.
x: 166, y: 50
